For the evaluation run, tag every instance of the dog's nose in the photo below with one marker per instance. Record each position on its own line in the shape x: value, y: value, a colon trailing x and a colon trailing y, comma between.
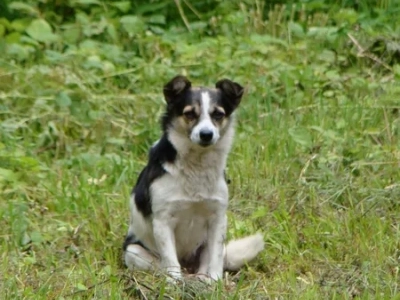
x: 206, y: 135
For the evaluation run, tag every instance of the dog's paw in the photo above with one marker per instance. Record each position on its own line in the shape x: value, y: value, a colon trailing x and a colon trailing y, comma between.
x: 174, y: 276
x: 174, y: 280
x: 205, y: 278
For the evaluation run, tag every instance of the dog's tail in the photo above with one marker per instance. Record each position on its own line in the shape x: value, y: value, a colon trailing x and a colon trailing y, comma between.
x: 238, y: 252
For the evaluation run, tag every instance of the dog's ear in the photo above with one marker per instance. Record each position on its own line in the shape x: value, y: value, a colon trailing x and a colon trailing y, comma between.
x: 176, y: 86
x: 231, y: 92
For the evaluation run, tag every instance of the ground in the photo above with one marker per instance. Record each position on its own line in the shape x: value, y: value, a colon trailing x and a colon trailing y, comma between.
x: 314, y: 166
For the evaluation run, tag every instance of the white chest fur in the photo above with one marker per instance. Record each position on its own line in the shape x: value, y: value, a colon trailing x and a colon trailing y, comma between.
x: 190, y: 194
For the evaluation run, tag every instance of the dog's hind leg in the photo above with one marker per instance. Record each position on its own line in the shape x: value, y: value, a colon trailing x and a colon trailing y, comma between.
x: 137, y: 257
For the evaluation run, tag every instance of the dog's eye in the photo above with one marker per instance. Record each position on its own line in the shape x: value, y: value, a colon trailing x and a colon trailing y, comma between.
x: 217, y: 115
x: 190, y: 115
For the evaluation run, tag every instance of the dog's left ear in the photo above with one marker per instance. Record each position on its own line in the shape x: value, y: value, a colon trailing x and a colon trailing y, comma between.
x: 176, y: 86
x: 232, y: 92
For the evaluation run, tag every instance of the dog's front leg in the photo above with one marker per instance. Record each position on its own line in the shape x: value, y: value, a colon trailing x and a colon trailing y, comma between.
x: 212, y: 260
x: 164, y: 236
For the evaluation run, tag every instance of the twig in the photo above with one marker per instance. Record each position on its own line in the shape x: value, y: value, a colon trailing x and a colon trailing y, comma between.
x: 142, y: 284
x: 387, y: 125
x: 375, y: 163
x: 182, y: 13
x: 9, y: 73
x: 138, y: 287
x: 119, y: 73
x: 88, y: 288
x: 363, y: 53
x: 304, y: 170
x: 192, y: 8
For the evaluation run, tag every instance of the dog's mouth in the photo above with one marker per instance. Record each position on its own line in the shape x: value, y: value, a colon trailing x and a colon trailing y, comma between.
x: 205, y: 144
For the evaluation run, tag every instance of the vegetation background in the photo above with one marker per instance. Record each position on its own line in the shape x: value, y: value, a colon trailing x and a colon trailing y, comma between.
x: 315, y: 164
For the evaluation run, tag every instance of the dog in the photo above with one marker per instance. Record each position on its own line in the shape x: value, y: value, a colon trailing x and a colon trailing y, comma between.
x: 178, y: 205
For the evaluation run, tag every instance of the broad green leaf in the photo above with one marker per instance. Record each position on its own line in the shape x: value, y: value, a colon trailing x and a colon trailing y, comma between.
x: 41, y: 31
x: 81, y: 287
x: 156, y: 29
x: 323, y: 33
x: 26, y: 239
x: 267, y: 39
x: 157, y: 19
x: 301, y: 136
x: 85, y: 2
x: 36, y: 237
x: 5, y: 22
x: 332, y: 75
x: 18, y: 51
x: 27, y: 40
x: 198, y: 25
x: 83, y: 18
x: 54, y: 56
x: 23, y: 7
x: 296, y: 29
x: 71, y: 34
x: 132, y: 24
x: 327, y: 56
x: 329, y: 94
x: 151, y: 7
x: 7, y: 175
x: 112, y: 32
x: 62, y: 99
x: 20, y: 25
x: 396, y: 70
x: 346, y: 16
x: 29, y: 260
x: 107, y: 270
x: 260, y: 212
x: 108, y: 67
x: 95, y: 114
x: 123, y: 6
x: 93, y: 62
x: 2, y: 30
x: 90, y: 45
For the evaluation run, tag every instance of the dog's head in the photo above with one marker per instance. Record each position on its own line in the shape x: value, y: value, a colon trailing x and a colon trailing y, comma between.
x: 201, y: 114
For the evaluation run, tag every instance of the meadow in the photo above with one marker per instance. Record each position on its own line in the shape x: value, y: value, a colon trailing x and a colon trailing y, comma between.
x: 314, y: 166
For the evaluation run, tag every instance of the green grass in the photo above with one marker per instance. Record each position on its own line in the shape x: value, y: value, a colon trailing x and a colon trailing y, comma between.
x: 315, y: 163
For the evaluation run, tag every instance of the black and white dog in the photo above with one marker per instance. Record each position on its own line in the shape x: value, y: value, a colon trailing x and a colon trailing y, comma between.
x: 178, y: 206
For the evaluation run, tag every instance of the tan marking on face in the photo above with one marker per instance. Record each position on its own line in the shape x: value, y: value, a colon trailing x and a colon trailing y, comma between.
x: 221, y: 122
x: 220, y: 108
x: 187, y: 120
x: 197, y: 108
x: 187, y: 108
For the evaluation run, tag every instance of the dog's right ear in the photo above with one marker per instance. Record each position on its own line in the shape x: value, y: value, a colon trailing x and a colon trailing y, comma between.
x: 232, y: 93
x: 176, y: 86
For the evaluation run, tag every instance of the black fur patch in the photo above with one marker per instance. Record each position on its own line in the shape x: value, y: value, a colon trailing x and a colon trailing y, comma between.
x: 175, y: 107
x: 231, y: 94
x: 160, y: 153
x: 191, y: 264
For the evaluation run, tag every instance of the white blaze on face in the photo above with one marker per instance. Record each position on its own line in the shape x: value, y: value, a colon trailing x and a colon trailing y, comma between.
x: 205, y: 127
